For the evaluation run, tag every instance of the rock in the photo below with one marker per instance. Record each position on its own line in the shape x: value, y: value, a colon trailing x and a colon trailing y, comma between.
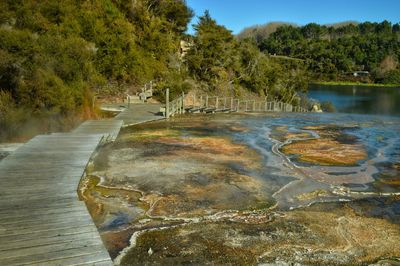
x: 316, y: 108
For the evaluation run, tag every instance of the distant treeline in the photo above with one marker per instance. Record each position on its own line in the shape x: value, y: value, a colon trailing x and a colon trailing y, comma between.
x: 334, y: 52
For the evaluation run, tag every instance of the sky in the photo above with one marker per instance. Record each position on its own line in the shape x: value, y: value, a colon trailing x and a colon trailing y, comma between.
x: 238, y: 14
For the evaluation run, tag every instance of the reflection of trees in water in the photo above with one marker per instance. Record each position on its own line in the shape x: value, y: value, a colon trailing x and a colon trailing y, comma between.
x: 359, y: 99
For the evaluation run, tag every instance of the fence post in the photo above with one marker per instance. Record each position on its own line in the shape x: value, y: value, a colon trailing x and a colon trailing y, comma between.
x: 167, y: 104
x: 246, y: 107
x: 254, y: 105
x: 206, y: 100
x: 231, y: 104
x: 183, y: 103
x: 216, y: 103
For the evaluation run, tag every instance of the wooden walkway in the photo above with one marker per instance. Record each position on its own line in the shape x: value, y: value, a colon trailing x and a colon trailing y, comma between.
x: 42, y: 221
x: 108, y: 128
x: 140, y: 113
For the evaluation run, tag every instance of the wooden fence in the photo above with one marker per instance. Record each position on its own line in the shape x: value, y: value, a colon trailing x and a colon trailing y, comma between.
x: 174, y: 107
x: 147, y: 91
x: 213, y: 104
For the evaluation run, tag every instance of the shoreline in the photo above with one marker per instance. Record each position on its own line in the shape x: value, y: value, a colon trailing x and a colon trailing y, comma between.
x: 349, y: 83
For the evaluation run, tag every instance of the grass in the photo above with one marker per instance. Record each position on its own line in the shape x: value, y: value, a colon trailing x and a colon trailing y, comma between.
x: 350, y: 83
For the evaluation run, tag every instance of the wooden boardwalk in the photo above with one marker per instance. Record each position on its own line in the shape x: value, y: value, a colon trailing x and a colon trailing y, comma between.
x: 42, y: 221
x: 109, y: 128
x: 140, y: 113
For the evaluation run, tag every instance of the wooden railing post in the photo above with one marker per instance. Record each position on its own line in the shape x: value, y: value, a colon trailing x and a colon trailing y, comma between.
x: 167, y: 104
x: 183, y: 103
x: 206, y: 100
x: 254, y: 105
x: 216, y: 103
x: 231, y: 104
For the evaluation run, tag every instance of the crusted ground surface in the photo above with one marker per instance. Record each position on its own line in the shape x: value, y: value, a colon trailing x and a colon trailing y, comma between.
x: 197, y: 190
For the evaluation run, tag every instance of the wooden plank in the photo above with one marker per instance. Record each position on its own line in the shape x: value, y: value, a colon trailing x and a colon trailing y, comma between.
x: 64, y: 196
x: 48, y: 234
x: 39, y: 229
x: 45, y: 223
x: 36, y: 218
x: 48, y: 248
x: 38, y: 208
x: 64, y: 254
x: 96, y: 259
x: 34, y: 242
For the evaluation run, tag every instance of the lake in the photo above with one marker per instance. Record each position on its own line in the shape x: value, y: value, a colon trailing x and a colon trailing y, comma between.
x: 358, y: 99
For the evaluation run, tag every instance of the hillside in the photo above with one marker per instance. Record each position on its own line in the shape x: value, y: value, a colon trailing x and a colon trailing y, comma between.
x: 55, y: 57
x: 335, y: 52
x: 260, y: 32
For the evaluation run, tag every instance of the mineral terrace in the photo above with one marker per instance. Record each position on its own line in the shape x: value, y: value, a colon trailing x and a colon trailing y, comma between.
x: 194, y: 190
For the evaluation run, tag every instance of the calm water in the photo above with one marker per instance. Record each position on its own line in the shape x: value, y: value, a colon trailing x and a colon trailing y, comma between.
x: 359, y: 99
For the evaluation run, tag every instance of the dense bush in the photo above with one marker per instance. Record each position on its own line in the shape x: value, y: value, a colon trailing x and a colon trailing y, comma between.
x: 54, y: 55
x: 333, y: 52
x: 328, y: 107
x: 218, y: 59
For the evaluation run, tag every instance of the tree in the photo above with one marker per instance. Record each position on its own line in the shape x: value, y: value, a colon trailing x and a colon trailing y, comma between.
x: 213, y: 52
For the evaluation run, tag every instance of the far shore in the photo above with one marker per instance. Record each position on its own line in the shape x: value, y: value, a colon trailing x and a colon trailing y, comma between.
x: 349, y: 83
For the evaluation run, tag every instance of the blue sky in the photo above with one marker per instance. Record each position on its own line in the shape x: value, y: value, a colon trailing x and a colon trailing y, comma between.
x: 238, y: 14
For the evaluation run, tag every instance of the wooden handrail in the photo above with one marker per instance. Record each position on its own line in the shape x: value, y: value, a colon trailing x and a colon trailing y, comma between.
x: 224, y: 104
